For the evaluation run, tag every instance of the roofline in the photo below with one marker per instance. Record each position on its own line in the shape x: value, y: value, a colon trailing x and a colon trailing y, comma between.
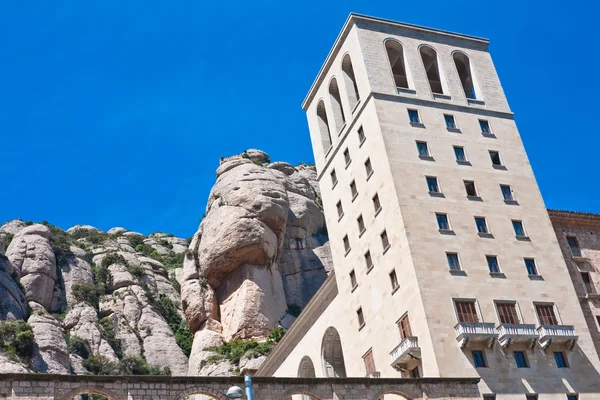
x: 582, y: 217
x: 346, y: 29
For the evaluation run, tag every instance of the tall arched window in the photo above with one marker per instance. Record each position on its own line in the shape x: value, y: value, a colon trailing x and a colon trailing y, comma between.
x: 323, y: 126
x: 395, y: 54
x: 336, y: 105
x: 350, y: 81
x: 333, y: 356
x: 463, y: 66
x: 430, y: 62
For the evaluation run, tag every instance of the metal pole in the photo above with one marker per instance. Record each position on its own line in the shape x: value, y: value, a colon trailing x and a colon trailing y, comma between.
x: 248, y: 382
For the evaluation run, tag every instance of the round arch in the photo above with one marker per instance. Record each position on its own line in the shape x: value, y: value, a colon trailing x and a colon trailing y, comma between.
x: 92, y: 390
x: 215, y: 394
x: 433, y: 71
x: 302, y: 394
x: 332, y: 355
x: 306, y: 369
x: 391, y: 395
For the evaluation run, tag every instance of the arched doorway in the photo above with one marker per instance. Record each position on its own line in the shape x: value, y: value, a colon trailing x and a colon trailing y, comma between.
x: 393, y: 396
x: 332, y: 354
x: 200, y: 393
x: 91, y: 393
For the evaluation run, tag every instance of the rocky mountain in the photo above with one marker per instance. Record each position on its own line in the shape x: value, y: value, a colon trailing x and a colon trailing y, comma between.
x: 118, y: 302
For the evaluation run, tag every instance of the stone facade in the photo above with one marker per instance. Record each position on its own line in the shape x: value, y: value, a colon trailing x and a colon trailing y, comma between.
x: 372, y: 150
x: 61, y: 387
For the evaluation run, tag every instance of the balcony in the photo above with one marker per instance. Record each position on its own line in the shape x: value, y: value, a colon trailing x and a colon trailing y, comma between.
x: 476, y: 332
x: 407, y: 354
x: 517, y: 333
x: 557, y: 334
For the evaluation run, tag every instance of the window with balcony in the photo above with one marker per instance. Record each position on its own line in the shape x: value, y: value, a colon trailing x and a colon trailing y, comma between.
x: 340, y: 209
x: 493, y: 266
x: 442, y: 221
x: 521, y: 359
x: 376, y: 204
x: 471, y: 189
x: 347, y: 157
x: 353, y: 282
x: 385, y: 242
x: 369, y: 363
x: 368, y: 168
x: 361, y: 135
x: 507, y: 313
x: 560, y: 359
x: 481, y: 225
x: 414, y: 373
x: 507, y: 193
x: 574, y: 246
x: 479, y: 360
x: 361, y: 318
x: 404, y: 327
x: 450, y: 122
x: 394, y: 281
x: 466, y: 311
x: 346, y: 244
x: 453, y: 261
x: 531, y: 266
x: 495, y: 157
x: 413, y: 117
x: 334, y: 179
x: 545, y: 313
x: 368, y: 261
x: 423, y: 150
x: 485, y: 127
x: 361, y: 224
x: 519, y: 229
x: 432, y: 184
x: 459, y: 153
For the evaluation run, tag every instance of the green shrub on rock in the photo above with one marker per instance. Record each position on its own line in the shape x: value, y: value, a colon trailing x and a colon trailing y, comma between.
x: 79, y: 346
x: 16, y: 338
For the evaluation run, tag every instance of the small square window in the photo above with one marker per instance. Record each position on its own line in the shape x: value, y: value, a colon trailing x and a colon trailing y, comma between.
x: 492, y: 262
x: 376, y: 203
x: 450, y: 123
x: 361, y: 224
x: 572, y: 397
x: 394, y: 280
x: 368, y: 261
x: 361, y: 135
x: 453, y: 261
x: 368, y: 168
x: 495, y: 157
x: 471, y: 189
x: 347, y: 158
x: 479, y: 359
x: 413, y: 116
x: 340, y: 210
x: 459, y: 153
x: 507, y: 193
x: 485, y: 126
x: 442, y: 220
x: 353, y: 189
x: 481, y: 225
x: 560, y: 359
x: 353, y: 280
x: 432, y: 184
x: 423, y: 149
x: 385, y: 242
x: 518, y: 227
x: 346, y: 244
x: 334, y: 179
x: 361, y: 318
x: 521, y: 359
x: 531, y: 266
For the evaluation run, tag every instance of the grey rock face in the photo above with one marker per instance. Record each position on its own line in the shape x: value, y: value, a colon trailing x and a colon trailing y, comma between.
x: 51, y: 353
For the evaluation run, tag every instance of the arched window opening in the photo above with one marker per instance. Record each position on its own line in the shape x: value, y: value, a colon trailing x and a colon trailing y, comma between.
x: 350, y: 81
x: 430, y: 62
x: 332, y: 354
x: 393, y: 396
x: 463, y: 66
x: 306, y: 369
x: 324, y: 126
x: 395, y: 54
x: 336, y: 105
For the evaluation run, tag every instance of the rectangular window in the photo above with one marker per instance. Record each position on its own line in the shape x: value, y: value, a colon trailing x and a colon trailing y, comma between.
x: 394, y: 280
x: 459, y: 153
x: 414, y: 373
x: 489, y: 397
x: 347, y: 157
x: 481, y: 225
x: 346, y: 244
x: 353, y: 189
x: 442, y: 220
x: 531, y: 266
x: 531, y: 397
x: 518, y: 227
x: 340, y: 210
x: 404, y: 327
x: 368, y: 260
x: 507, y: 193
x: 485, y: 126
x: 466, y: 311
x: 598, y: 319
x: 423, y: 149
x: 453, y: 262
x: 507, y: 313
x: 495, y: 156
x: 492, y: 262
x: 520, y: 359
x: 353, y: 282
x: 361, y: 318
x: 368, y: 167
x: 560, y: 359
x: 479, y: 359
x: 385, y: 242
x: 432, y: 184
x: 361, y: 224
x: 361, y: 135
x: 470, y: 188
x: 574, y: 246
x: 545, y: 313
x: 376, y: 203
x: 572, y: 397
x: 450, y: 123
x: 334, y: 180
x: 587, y: 282
x: 413, y: 116
x: 369, y: 362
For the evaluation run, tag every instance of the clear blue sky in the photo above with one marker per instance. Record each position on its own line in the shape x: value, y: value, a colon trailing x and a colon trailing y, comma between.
x: 115, y: 113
